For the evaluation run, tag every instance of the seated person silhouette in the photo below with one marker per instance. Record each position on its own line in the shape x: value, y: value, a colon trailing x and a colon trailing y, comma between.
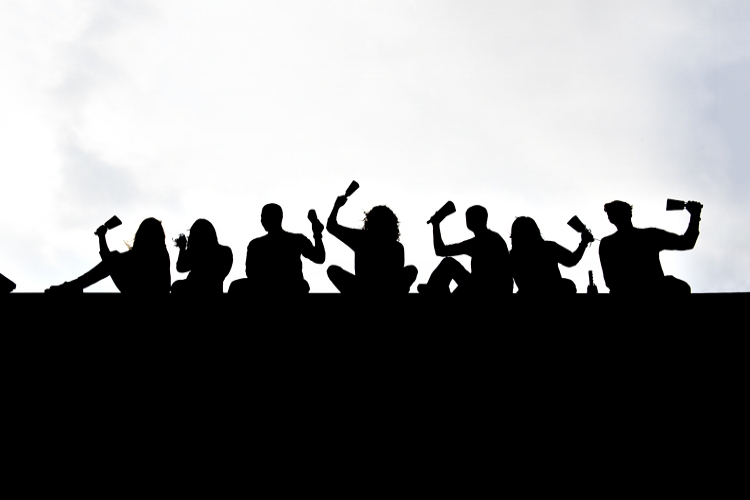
x: 490, y: 266
x: 378, y: 254
x: 630, y: 256
x: 207, y: 261
x: 273, y: 264
x: 144, y: 269
x: 6, y: 285
x: 534, y: 260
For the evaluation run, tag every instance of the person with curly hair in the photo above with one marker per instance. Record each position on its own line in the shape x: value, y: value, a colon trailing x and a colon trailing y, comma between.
x: 378, y: 254
x: 142, y: 270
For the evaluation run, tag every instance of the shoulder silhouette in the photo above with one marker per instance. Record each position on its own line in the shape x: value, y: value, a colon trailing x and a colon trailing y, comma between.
x: 630, y: 256
x: 273, y: 264
x: 206, y: 261
x: 378, y: 254
x: 534, y: 260
x: 6, y: 285
x: 490, y: 266
x: 143, y: 269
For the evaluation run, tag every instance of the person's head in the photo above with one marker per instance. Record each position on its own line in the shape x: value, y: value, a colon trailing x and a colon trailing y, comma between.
x: 271, y: 217
x: 619, y: 213
x: 524, y: 233
x: 476, y: 218
x: 382, y: 223
x: 150, y: 235
x: 202, y: 234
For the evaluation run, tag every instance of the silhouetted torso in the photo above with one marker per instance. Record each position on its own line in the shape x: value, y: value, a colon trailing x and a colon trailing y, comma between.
x: 630, y: 258
x: 140, y: 271
x: 208, y: 267
x: 490, y: 266
x: 378, y: 263
x: 273, y: 261
x: 535, y: 269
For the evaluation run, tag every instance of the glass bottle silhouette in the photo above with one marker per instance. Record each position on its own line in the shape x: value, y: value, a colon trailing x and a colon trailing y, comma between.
x: 592, y: 287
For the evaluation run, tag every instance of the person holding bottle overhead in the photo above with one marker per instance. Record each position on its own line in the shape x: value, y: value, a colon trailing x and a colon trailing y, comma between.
x: 490, y: 266
x: 204, y: 258
x: 142, y: 270
x: 534, y: 260
x: 378, y: 253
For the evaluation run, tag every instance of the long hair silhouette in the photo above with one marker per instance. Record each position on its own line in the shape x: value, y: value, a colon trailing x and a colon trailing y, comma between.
x: 381, y: 222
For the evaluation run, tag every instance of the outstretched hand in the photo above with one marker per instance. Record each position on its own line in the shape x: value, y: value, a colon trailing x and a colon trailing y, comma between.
x: 101, y: 231
x: 694, y: 207
x: 340, y: 202
x: 587, y: 237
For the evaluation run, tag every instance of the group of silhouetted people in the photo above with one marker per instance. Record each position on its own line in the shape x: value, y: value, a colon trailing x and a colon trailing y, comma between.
x: 273, y: 266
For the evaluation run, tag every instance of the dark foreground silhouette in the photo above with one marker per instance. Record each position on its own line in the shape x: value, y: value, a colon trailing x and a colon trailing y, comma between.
x: 630, y: 257
x: 144, y: 269
x: 204, y: 258
x: 490, y: 267
x: 534, y: 260
x: 378, y: 255
x: 274, y: 263
x: 6, y: 285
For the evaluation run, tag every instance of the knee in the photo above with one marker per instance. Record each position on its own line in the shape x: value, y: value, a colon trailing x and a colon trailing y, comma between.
x: 239, y: 286
x: 334, y: 271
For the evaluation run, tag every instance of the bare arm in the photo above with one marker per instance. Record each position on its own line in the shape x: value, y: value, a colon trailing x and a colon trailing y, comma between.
x: 346, y: 234
x: 570, y: 259
x: 443, y: 250
x: 103, y: 247
x: 687, y: 240
x: 183, y: 259
x: 316, y: 253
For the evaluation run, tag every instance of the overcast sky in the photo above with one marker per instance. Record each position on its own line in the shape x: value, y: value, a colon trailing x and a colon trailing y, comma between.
x: 193, y: 109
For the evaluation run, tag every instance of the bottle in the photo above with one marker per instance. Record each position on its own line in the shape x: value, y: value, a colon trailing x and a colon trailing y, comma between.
x: 444, y: 212
x: 592, y: 287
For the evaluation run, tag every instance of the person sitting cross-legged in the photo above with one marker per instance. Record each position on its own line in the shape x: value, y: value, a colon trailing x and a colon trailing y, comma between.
x: 490, y: 268
x: 378, y: 254
x: 273, y: 264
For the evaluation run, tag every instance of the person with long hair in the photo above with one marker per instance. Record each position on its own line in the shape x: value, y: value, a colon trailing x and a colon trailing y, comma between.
x: 534, y: 260
x: 490, y: 267
x: 143, y: 269
x: 204, y: 258
x: 378, y: 254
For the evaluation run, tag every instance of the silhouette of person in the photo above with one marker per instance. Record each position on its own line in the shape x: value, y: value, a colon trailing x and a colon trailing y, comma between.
x: 273, y: 264
x: 207, y: 261
x: 6, y: 285
x: 144, y: 269
x: 630, y: 256
x: 378, y: 254
x: 490, y: 265
x: 534, y: 260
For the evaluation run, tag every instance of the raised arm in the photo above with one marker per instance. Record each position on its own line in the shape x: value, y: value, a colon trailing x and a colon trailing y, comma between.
x: 687, y: 240
x: 346, y: 234
x: 443, y: 250
x: 183, y: 259
x: 103, y: 248
x: 570, y: 259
